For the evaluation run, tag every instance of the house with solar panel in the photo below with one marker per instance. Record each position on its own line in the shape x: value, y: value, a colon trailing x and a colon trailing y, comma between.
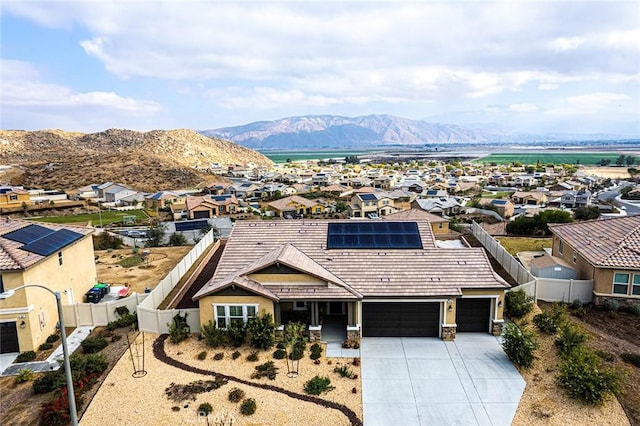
x: 371, y: 278
x: 208, y: 206
x: 371, y: 204
x: 57, y: 257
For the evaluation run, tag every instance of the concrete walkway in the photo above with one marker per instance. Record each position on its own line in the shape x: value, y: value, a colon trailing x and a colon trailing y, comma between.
x: 426, y: 381
x: 51, y: 363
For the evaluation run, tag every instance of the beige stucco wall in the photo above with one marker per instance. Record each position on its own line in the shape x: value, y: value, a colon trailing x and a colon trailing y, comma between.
x: 75, y: 276
x: 206, y: 305
x: 585, y: 270
x: 435, y: 228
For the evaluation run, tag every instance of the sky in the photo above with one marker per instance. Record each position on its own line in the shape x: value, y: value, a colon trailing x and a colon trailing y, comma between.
x: 527, y: 66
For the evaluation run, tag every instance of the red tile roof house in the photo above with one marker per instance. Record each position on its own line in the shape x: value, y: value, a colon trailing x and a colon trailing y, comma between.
x: 606, y: 251
x: 372, y: 278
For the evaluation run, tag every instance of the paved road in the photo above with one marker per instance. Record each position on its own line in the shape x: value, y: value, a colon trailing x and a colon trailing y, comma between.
x: 631, y: 208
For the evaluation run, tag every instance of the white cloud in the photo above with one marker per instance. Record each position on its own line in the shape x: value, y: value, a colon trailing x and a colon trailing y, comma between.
x: 591, y: 103
x: 523, y: 108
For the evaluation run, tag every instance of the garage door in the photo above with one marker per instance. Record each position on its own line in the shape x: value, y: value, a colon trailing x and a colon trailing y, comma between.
x: 473, y: 315
x: 201, y: 214
x: 8, y: 338
x: 398, y: 319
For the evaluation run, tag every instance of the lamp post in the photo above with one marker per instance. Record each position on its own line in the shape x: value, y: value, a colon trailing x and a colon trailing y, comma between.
x: 65, y: 350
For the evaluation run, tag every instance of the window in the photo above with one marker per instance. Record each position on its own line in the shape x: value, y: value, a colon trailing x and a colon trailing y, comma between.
x: 299, y: 306
x: 1, y: 285
x: 13, y: 197
x: 226, y: 315
x: 575, y: 257
x: 635, y: 290
x: 60, y: 258
x: 620, y: 283
x: 440, y: 225
x: 561, y: 246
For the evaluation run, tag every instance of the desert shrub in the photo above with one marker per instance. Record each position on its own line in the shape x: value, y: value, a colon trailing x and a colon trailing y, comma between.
x: 107, y: 241
x: 260, y: 332
x: 343, y: 371
x: 177, y: 239
x: 579, y: 312
x: 236, y: 395
x: 317, y: 385
x: 519, y: 345
x: 24, y: 375
x: 235, y: 355
x: 351, y: 344
x: 126, y: 319
x: 218, y: 356
x: 584, y: 379
x: 316, y: 351
x: 569, y: 338
x: 631, y: 358
x: 53, y: 338
x: 315, y: 355
x: 607, y: 356
x: 205, y: 409
x: 122, y: 311
x: 236, y: 333
x: 202, y: 355
x: 48, y: 382
x: 611, y: 306
x: 635, y: 309
x: 549, y: 322
x: 297, y: 350
x: 179, y: 393
x: 577, y: 303
x: 279, y: 354
x: 26, y: 356
x: 356, y: 362
x: 518, y: 304
x: 116, y: 338
x: 213, y: 336
x: 280, y: 345
x: 45, y: 346
x: 178, y: 328
x: 248, y: 407
x: 91, y: 345
x: 268, y: 370
x: 253, y: 356
x: 56, y: 411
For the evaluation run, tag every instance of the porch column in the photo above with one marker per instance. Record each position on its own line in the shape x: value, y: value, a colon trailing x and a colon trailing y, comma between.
x: 350, y: 317
x: 314, y: 310
x: 276, y: 314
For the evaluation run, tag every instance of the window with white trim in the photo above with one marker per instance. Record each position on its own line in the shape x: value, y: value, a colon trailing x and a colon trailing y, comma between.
x: 620, y: 283
x: 13, y: 197
x: 231, y: 314
x: 299, y: 306
x: 636, y: 285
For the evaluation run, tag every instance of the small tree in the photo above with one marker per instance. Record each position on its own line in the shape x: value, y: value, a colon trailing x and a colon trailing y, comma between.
x: 518, y: 304
x: 177, y: 239
x: 260, y: 331
x: 519, y: 345
x: 178, y: 328
x: 155, y: 235
x: 293, y: 341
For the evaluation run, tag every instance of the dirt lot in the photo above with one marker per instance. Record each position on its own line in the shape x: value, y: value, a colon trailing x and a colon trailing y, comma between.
x: 145, y: 275
x: 607, y: 172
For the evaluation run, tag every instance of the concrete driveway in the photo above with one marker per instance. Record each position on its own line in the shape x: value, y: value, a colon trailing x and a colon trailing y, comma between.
x: 426, y: 381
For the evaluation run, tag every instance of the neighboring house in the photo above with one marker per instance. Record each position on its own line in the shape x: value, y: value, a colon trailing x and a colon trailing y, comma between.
x: 83, y: 193
x: 11, y: 196
x: 381, y: 278
x: 504, y: 207
x: 439, y: 225
x: 208, y: 206
x: 244, y: 189
x: 365, y: 204
x: 435, y: 193
x: 57, y: 257
x: 575, y: 199
x: 532, y: 198
x: 296, y: 205
x: 444, y: 206
x: 115, y: 193
x: 324, y: 178
x: 163, y: 199
x: 606, y: 251
x: 561, y: 186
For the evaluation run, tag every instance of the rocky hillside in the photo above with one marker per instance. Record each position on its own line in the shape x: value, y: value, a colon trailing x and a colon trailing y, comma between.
x: 146, y: 161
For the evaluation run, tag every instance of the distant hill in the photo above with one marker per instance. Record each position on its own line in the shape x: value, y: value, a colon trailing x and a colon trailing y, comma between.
x: 372, y: 131
x: 147, y: 161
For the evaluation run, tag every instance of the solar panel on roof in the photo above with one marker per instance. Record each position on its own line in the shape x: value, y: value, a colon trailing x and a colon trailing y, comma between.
x: 374, y: 235
x: 191, y: 225
x: 220, y: 197
x: 368, y: 197
x: 53, y: 242
x: 28, y: 234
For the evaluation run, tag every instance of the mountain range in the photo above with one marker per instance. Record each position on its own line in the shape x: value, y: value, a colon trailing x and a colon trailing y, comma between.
x: 371, y: 131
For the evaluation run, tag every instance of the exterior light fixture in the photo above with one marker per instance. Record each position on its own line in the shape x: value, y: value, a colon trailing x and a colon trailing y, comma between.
x: 450, y: 308
x: 23, y: 324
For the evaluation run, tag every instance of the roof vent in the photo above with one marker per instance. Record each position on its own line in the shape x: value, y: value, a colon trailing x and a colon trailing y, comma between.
x: 385, y: 279
x: 381, y: 253
x: 435, y: 278
x: 462, y: 262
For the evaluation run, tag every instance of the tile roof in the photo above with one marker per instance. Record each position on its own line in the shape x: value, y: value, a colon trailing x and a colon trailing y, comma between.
x: 288, y: 203
x: 613, y: 242
x: 546, y: 261
x: 12, y: 257
x: 423, y: 272
x: 415, y: 214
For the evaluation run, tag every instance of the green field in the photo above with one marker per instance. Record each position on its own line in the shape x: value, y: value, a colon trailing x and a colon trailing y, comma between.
x: 108, y: 217
x: 588, y: 159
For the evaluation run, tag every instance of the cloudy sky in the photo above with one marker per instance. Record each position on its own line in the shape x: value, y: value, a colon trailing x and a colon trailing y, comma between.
x: 534, y: 66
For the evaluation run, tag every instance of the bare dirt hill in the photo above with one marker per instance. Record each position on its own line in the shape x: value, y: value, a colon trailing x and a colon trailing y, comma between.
x: 147, y: 161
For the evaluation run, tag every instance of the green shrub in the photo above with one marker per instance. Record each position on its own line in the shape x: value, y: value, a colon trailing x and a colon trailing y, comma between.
x: 205, y: 409
x: 317, y: 385
x: 611, y: 306
x: 584, y: 379
x: 569, y: 338
x: 579, y: 312
x: 635, y: 309
x: 53, y: 338
x: 260, y: 331
x: 125, y: 320
x: 631, y: 358
x: 48, y: 382
x: 122, y: 311
x: 237, y: 334
x: 577, y: 303
x: 24, y: 375
x: 315, y: 355
x: 268, y: 370
x: 116, y: 338
x: 213, y: 336
x: 279, y: 354
x: 26, y: 356
x: 202, y: 355
x: 519, y: 345
x: 253, y: 356
x: 235, y: 355
x: 248, y: 407
x: 343, y: 371
x: 178, y: 328
x: 280, y: 345
x: 218, y: 356
x: 91, y: 345
x: 45, y: 346
x: 315, y: 348
x: 235, y: 395
x: 604, y: 355
x: 297, y: 351
x: 545, y: 323
x: 518, y: 304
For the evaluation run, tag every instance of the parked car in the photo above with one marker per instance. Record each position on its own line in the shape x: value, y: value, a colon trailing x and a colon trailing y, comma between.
x: 136, y: 234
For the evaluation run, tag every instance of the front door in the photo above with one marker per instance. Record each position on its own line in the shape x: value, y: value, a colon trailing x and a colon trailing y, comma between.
x: 336, y: 308
x: 8, y: 338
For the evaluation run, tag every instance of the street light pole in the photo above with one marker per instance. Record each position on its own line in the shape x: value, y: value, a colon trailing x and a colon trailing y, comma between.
x: 65, y: 350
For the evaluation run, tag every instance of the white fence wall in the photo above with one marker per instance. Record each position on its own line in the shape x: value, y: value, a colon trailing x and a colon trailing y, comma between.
x: 508, y: 262
x: 157, y: 320
x: 94, y: 314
